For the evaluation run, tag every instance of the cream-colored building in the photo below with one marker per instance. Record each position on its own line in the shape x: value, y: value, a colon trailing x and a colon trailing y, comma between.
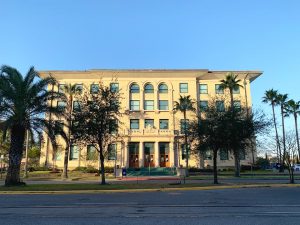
x: 151, y: 130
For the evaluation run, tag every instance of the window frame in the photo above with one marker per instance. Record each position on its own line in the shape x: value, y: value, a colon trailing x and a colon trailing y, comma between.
x: 152, y: 125
x: 114, y: 89
x: 91, y: 89
x: 88, y: 154
x: 201, y: 90
x: 132, y: 106
x: 159, y: 105
x: 182, y: 89
x: 161, y: 122
x: 219, y: 90
x: 201, y: 107
x: 112, y: 155
x: 71, y: 157
x: 145, y: 105
x: 218, y: 106
x: 131, y: 123
x: 163, y: 90
x: 147, y: 90
x: 135, y: 90
x: 62, y: 108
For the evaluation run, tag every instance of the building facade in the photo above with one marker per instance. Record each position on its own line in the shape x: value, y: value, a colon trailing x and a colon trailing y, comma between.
x: 150, y: 129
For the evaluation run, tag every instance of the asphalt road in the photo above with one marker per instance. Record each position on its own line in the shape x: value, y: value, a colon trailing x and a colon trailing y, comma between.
x: 232, y: 206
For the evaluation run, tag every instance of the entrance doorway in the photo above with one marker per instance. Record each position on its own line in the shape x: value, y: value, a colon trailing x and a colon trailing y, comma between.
x: 149, y: 154
x: 133, y: 154
x: 164, y: 160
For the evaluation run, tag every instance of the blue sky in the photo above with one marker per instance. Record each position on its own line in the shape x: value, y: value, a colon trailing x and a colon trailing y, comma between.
x: 204, y: 34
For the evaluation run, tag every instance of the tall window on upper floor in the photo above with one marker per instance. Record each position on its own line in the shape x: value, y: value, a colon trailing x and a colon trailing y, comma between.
x: 134, y: 105
x: 148, y: 105
x: 134, y: 124
x: 112, y: 152
x: 183, y: 88
x: 149, y: 88
x: 114, y: 87
x: 79, y: 88
x: 219, y: 89
x: 220, y: 106
x: 74, y: 152
x: 236, y: 90
x: 163, y: 105
x: 91, y: 153
x: 134, y: 88
x: 203, y: 89
x: 61, y: 88
x: 163, y: 124
x: 163, y: 88
x: 94, y: 88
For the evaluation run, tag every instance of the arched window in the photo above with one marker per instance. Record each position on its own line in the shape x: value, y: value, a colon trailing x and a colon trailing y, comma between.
x: 134, y: 88
x: 163, y: 88
x: 149, y: 88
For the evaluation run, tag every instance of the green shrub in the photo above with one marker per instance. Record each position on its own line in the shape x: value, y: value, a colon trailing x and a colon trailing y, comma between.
x: 38, y: 168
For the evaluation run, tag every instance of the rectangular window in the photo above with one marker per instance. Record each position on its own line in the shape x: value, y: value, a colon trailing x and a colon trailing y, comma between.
x: 112, y: 152
x: 134, y: 124
x: 74, y: 152
x: 203, y: 106
x: 114, y: 87
x: 134, y: 105
x: 208, y: 155
x: 242, y: 154
x: 91, y: 153
x: 183, y: 151
x: 149, y: 105
x: 61, y: 88
x: 76, y: 106
x: 163, y: 105
x: 58, y: 153
x: 163, y: 124
x: 61, y: 106
x: 183, y: 87
x: 219, y: 89
x: 133, y: 148
x: 220, y: 106
x: 163, y: 147
x: 236, y: 90
x: 203, y: 89
x: 149, y: 123
x: 94, y: 89
x: 224, y: 154
x: 237, y: 105
x: 184, y: 124
x: 78, y: 88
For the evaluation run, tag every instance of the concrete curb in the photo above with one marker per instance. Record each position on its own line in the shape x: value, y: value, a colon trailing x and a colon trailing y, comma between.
x: 150, y: 190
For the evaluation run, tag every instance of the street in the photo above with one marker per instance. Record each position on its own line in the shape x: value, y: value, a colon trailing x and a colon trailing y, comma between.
x: 231, y: 206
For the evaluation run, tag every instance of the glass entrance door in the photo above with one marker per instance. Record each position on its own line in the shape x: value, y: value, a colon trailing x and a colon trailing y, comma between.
x: 149, y: 154
x: 164, y: 154
x: 133, y: 154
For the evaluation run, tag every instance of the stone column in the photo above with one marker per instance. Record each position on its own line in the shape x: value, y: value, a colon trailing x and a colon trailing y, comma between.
x: 125, y: 162
x: 141, y: 154
x: 156, y: 154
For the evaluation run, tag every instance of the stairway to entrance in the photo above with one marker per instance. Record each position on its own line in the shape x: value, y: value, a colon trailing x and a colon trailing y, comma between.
x: 154, y: 171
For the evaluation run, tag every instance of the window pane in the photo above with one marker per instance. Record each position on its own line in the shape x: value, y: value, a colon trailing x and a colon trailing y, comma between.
x: 91, y: 153
x: 203, y: 105
x: 183, y: 87
x: 163, y: 105
x: 133, y: 148
x: 112, y: 152
x: 149, y: 105
x: 61, y: 88
x: 134, y: 105
x: 220, y: 106
x: 148, y: 148
x: 236, y: 90
x: 149, y: 88
x: 163, y: 88
x: 208, y: 155
x: 58, y: 153
x: 149, y: 123
x: 219, y: 89
x: 74, y: 152
x: 61, y: 106
x: 242, y: 154
x: 78, y: 88
x: 94, y: 89
x: 134, y: 124
x: 164, y: 124
x: 224, y: 154
x: 203, y: 89
x: 76, y: 106
x: 237, y: 105
x: 163, y: 148
x: 114, y: 87
x: 134, y: 88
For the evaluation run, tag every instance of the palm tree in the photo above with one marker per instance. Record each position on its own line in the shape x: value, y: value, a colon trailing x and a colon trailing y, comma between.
x: 282, y: 101
x: 271, y: 97
x: 232, y: 83
x: 293, y: 108
x: 70, y: 91
x: 183, y: 105
x: 24, y: 102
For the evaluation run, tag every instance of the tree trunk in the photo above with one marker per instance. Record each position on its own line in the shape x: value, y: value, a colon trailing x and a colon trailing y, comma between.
x: 101, y: 156
x: 185, y: 141
x: 297, y: 136
x: 237, y: 164
x: 15, y: 156
x: 215, y: 167
x: 66, y: 160
x: 283, y: 139
x: 231, y: 99
x: 277, y: 138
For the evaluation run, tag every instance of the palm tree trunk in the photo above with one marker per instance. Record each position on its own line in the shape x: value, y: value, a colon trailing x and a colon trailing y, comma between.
x: 215, y: 167
x: 185, y: 141
x: 15, y: 156
x: 231, y: 99
x: 283, y: 139
x: 276, y: 133
x: 297, y: 136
